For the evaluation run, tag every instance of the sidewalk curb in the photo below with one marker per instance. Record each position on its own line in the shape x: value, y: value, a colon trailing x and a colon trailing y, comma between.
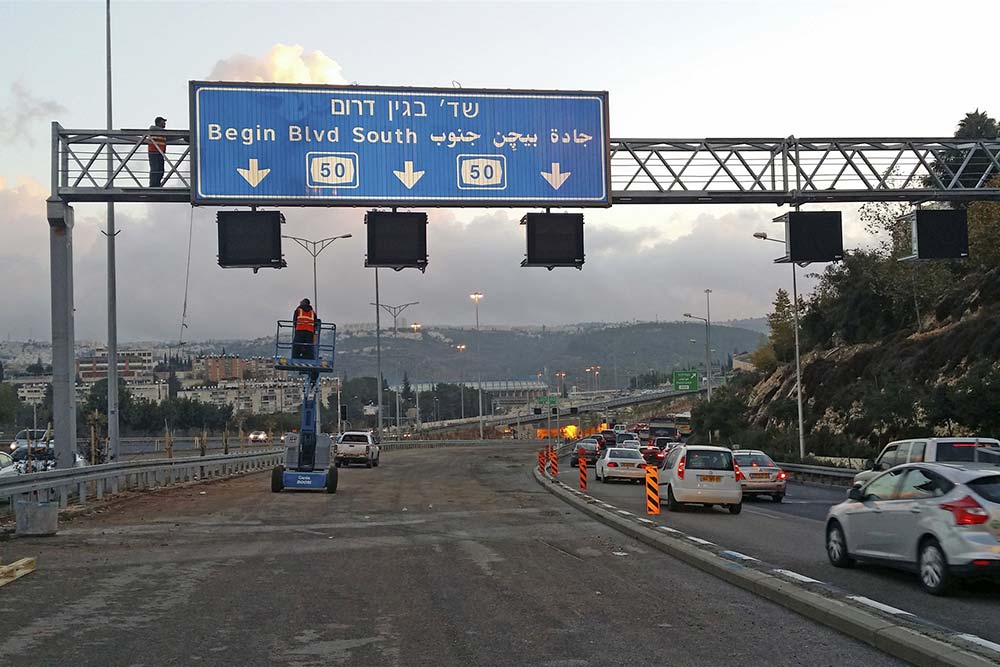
x: 895, y: 639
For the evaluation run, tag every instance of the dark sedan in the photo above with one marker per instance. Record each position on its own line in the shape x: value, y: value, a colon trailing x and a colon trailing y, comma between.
x: 590, y: 452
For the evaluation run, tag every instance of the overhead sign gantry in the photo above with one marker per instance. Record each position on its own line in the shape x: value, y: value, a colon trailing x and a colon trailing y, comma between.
x: 299, y: 145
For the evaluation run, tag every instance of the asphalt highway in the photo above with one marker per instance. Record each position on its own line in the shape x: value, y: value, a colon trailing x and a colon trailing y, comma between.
x: 790, y: 535
x: 451, y: 556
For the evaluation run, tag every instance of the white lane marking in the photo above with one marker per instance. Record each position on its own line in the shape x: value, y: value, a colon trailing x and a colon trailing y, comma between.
x: 980, y: 641
x: 878, y: 605
x: 647, y: 521
x: 670, y: 530
x: 737, y: 554
x: 798, y: 577
x: 700, y: 541
x: 624, y: 512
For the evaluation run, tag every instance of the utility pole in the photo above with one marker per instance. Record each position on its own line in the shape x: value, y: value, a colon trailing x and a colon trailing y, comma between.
x: 378, y: 355
x: 461, y: 377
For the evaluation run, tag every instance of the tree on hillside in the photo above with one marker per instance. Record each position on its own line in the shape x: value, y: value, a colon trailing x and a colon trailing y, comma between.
x: 9, y: 403
x: 976, y: 125
x: 782, y: 323
x: 984, y: 231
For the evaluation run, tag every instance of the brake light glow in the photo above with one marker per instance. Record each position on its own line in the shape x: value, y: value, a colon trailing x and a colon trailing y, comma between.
x: 739, y: 473
x: 782, y: 474
x: 612, y: 464
x: 967, y: 512
x: 680, y: 468
x: 982, y: 563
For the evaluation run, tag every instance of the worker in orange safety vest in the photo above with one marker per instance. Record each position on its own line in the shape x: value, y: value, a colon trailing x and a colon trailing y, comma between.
x: 157, y: 150
x: 304, y: 320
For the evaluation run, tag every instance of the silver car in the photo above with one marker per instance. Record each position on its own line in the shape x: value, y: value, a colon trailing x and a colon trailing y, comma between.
x: 940, y: 519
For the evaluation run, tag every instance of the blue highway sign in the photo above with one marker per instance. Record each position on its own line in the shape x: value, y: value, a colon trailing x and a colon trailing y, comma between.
x: 352, y: 146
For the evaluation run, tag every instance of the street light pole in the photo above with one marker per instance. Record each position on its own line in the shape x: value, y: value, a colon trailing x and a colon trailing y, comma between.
x: 798, y: 368
x: 708, y: 339
x: 461, y: 378
x: 708, y: 347
x: 314, y: 248
x: 476, y: 296
x: 395, y: 311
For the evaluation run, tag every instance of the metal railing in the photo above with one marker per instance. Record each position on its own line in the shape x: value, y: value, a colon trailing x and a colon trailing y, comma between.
x: 77, y: 484
x: 822, y: 474
x: 643, y: 171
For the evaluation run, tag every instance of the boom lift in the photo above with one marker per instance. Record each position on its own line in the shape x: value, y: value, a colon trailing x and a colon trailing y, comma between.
x: 308, y: 453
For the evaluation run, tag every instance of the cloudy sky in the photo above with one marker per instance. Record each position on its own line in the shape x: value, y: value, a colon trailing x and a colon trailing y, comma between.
x: 673, y: 69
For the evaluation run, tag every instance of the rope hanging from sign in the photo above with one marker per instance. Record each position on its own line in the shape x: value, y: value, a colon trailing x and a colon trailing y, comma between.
x: 187, y: 279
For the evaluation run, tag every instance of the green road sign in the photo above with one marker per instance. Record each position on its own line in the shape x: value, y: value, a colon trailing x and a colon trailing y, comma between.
x: 548, y: 400
x: 685, y: 380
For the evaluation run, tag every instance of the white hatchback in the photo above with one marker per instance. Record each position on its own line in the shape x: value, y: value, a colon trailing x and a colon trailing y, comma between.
x: 620, y: 463
x: 702, y: 475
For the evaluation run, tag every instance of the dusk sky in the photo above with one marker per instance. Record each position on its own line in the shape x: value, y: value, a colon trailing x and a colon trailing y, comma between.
x: 672, y: 69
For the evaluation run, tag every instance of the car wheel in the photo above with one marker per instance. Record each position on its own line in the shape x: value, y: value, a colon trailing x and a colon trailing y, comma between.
x: 736, y: 509
x: 376, y: 460
x: 778, y: 497
x: 672, y: 503
x: 331, y: 480
x: 572, y: 463
x: 277, y: 479
x: 597, y: 474
x: 836, y: 546
x: 934, y: 574
x: 369, y: 463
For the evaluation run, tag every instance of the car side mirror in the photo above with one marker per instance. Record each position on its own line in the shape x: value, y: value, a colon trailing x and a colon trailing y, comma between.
x: 856, y: 494
x: 870, y: 464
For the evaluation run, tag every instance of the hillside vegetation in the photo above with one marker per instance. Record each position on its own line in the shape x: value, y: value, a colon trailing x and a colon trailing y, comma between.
x: 890, y: 349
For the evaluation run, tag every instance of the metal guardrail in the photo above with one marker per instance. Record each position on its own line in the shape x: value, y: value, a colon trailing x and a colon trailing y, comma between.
x: 75, y: 483
x: 823, y: 474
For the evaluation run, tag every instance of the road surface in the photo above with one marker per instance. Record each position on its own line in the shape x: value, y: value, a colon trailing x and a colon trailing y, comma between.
x: 451, y: 556
x: 790, y: 535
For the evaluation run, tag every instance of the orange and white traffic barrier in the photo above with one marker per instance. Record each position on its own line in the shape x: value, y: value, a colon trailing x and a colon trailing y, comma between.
x: 553, y: 462
x: 541, y: 461
x: 581, y: 463
x: 652, y: 490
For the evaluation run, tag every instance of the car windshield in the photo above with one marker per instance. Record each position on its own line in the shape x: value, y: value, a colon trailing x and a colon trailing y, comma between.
x: 5, y: 460
x: 987, y: 487
x: 35, y: 435
x: 754, y: 460
x: 354, y: 437
x: 624, y: 454
x: 589, y: 446
x: 707, y: 459
x: 967, y: 452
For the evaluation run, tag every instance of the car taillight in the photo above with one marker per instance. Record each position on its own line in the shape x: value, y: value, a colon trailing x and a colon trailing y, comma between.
x: 680, y: 468
x: 782, y: 474
x: 736, y: 469
x: 967, y: 511
x: 612, y: 464
x: 660, y: 455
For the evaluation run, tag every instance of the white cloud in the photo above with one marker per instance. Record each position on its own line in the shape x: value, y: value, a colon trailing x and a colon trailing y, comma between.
x: 17, y: 120
x: 282, y: 64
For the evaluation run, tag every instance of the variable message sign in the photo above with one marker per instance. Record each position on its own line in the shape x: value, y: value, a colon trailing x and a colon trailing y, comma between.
x: 367, y: 146
x: 685, y: 380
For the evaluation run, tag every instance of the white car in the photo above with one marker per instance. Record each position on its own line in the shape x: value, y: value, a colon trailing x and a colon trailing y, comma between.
x: 7, y: 467
x: 702, y: 475
x: 631, y: 444
x: 257, y: 437
x: 931, y: 450
x: 620, y: 463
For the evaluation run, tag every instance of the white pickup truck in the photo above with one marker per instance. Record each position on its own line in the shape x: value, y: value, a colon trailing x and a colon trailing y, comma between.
x: 356, y: 447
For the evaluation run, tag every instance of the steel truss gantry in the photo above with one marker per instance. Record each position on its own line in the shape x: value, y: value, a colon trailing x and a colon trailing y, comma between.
x: 643, y: 171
